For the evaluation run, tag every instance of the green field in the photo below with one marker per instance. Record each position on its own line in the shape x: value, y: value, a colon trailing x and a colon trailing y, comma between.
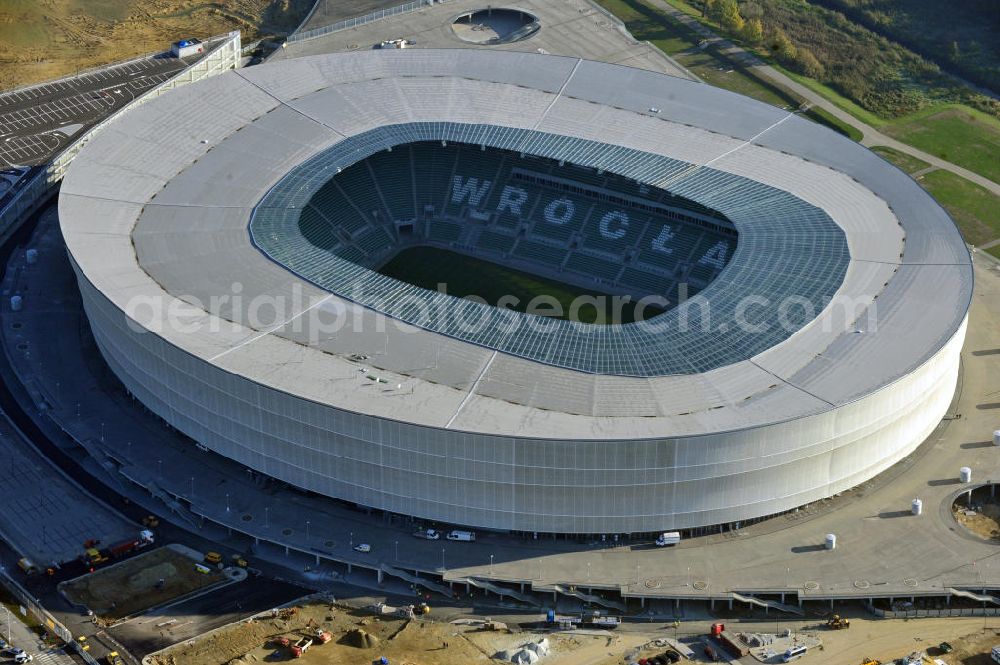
x: 465, y: 276
x: 960, y: 135
x: 902, y: 161
x: 974, y: 209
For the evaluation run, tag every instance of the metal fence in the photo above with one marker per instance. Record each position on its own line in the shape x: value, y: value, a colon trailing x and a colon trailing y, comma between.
x: 362, y: 20
x: 37, y: 189
x: 34, y: 607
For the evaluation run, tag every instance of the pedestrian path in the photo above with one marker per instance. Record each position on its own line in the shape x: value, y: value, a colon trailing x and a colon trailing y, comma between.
x: 14, y: 632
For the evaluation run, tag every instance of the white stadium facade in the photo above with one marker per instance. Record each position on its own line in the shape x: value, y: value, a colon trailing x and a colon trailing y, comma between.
x: 821, y: 348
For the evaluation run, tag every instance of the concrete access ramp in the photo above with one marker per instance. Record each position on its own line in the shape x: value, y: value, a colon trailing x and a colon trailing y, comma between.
x: 589, y: 597
x: 770, y: 604
x: 414, y: 579
x: 983, y: 598
x: 499, y: 590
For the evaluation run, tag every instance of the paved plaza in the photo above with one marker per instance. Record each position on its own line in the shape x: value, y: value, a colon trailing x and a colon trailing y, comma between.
x: 571, y: 27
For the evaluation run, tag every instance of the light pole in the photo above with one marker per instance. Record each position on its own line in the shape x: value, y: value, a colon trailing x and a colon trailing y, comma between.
x: 192, y: 488
x: 267, y: 521
x: 491, y: 565
x: 352, y: 540
x: 396, y: 558
x: 442, y: 558
x: 307, y: 530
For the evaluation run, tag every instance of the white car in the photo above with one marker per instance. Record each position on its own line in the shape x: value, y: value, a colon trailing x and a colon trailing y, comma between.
x: 363, y: 547
x: 23, y: 658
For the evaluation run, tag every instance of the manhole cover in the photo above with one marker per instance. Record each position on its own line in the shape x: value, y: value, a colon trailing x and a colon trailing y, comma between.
x: 909, y: 581
x: 246, y: 518
x: 652, y: 584
x: 286, y: 532
x: 811, y: 586
x: 700, y: 586
x: 861, y: 584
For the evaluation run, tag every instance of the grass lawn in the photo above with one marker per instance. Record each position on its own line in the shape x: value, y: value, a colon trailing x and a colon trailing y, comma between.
x: 824, y: 117
x: 904, y: 162
x: 958, y: 134
x: 462, y: 275
x: 974, y: 209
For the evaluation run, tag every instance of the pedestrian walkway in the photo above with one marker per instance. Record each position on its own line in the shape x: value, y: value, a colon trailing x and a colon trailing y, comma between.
x: 14, y: 632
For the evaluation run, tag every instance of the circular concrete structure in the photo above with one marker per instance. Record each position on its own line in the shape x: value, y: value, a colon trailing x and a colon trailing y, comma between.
x: 226, y: 239
x: 494, y: 25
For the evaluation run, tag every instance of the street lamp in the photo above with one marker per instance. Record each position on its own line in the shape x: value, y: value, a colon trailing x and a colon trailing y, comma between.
x: 491, y: 565
x: 442, y: 557
x: 307, y: 530
x: 352, y: 540
x: 396, y: 558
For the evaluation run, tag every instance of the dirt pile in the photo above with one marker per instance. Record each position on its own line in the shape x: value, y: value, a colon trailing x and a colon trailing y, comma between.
x: 361, y: 639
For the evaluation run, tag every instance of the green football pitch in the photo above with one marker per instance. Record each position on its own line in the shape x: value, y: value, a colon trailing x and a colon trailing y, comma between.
x: 464, y: 276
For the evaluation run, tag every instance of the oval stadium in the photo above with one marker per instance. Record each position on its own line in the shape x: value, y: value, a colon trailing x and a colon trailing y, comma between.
x: 276, y: 262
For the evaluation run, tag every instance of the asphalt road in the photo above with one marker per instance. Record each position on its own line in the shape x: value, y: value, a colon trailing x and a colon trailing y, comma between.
x: 161, y: 628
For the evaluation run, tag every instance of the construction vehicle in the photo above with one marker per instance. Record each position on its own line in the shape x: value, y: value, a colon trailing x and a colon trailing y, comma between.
x: 114, y: 659
x: 837, y: 622
x: 239, y: 561
x: 301, y: 647
x: 151, y: 521
x: 944, y: 647
x: 93, y: 556
x: 323, y: 636
x: 729, y: 641
x: 422, y: 608
x: 870, y: 661
x: 82, y: 643
x: 213, y: 558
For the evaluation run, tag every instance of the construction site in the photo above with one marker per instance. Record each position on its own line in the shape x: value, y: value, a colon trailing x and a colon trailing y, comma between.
x: 137, y: 584
x: 333, y: 633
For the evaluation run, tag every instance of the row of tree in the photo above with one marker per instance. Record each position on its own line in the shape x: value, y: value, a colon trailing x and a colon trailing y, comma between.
x: 747, y: 23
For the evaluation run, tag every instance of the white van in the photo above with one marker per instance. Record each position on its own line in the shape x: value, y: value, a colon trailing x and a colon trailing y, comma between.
x: 794, y: 653
x: 466, y: 536
x: 669, y: 538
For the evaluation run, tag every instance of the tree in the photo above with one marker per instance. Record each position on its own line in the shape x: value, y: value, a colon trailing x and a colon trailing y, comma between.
x: 728, y: 16
x: 708, y: 8
x: 781, y: 46
x: 753, y: 31
x: 807, y: 63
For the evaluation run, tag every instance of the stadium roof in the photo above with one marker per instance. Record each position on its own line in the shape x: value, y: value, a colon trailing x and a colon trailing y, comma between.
x: 158, y: 206
x: 788, y: 249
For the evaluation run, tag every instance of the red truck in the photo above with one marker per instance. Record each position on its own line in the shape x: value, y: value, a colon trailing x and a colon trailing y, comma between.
x: 729, y: 641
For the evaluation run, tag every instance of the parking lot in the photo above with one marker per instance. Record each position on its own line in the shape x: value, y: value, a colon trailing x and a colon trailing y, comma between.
x: 38, y: 121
